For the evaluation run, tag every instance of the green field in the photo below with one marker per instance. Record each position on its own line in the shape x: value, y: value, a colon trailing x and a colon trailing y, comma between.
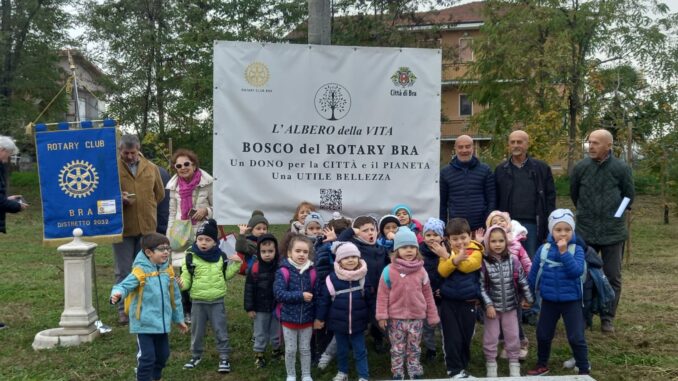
x: 645, y: 346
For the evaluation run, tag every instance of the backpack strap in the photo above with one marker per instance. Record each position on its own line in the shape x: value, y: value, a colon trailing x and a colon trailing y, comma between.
x: 286, y: 274
x: 190, y: 266
x: 330, y: 287
x: 254, y: 271
x: 224, y: 265
x: 313, y: 275
x: 543, y: 258
x: 334, y: 293
x: 387, y: 277
x: 141, y: 277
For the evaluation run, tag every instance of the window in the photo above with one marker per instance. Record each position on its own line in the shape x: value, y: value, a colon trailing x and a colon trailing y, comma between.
x: 465, y: 51
x: 465, y: 105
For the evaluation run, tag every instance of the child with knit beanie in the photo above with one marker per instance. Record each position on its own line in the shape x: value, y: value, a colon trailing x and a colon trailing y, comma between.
x: 388, y: 225
x: 204, y: 276
x: 404, y: 214
x: 342, y: 303
x: 555, y: 278
x: 404, y: 301
x: 434, y: 240
x: 246, y: 241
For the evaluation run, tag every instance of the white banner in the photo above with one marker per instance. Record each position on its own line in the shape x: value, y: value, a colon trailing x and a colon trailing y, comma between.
x: 353, y: 129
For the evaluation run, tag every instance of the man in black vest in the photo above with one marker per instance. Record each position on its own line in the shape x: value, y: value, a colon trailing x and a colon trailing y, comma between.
x: 525, y: 189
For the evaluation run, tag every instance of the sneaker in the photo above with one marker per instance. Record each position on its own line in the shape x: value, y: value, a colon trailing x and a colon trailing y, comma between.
x: 325, y: 360
x: 514, y: 369
x: 461, y: 374
x: 430, y: 355
x: 306, y: 378
x: 539, y: 370
x: 291, y: 378
x: 362, y: 379
x: 576, y: 369
x: 397, y: 377
x: 224, y: 366
x: 259, y: 361
x: 2, y: 326
x: 491, y: 368
x: 192, y: 363
x: 569, y: 363
x: 187, y: 318
x: 341, y: 376
x: 606, y: 326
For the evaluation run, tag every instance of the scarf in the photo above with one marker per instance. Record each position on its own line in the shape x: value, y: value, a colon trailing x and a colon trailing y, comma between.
x: 351, y: 275
x: 407, y: 267
x: 299, y: 267
x: 186, y: 193
x: 212, y: 255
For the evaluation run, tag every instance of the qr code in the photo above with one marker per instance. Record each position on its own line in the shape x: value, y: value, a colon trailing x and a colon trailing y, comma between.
x: 330, y: 199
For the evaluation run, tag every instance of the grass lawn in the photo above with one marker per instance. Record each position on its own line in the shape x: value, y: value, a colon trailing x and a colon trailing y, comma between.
x: 31, y: 293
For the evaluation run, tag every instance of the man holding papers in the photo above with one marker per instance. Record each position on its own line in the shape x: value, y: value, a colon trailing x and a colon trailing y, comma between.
x: 598, y: 186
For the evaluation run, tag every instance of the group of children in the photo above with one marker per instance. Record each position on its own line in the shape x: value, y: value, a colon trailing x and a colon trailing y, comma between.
x: 394, y: 278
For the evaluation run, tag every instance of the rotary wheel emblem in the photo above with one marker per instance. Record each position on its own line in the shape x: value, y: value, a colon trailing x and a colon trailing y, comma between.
x: 257, y: 74
x: 78, y: 179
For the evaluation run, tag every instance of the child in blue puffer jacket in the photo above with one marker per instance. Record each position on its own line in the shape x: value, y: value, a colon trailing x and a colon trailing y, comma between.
x: 556, y: 278
x: 294, y: 289
x: 152, y: 310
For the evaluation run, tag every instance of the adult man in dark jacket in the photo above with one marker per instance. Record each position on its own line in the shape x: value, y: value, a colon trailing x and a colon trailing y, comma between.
x: 467, y: 187
x: 525, y: 189
x: 8, y: 204
x: 598, y: 185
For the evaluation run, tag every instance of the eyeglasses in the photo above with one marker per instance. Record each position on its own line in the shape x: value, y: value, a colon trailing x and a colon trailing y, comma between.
x: 163, y: 248
x: 185, y: 165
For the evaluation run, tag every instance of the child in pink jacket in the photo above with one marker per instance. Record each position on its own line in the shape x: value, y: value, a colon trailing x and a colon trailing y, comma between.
x: 404, y: 300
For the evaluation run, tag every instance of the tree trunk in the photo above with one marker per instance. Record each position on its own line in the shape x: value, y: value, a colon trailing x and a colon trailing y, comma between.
x: 159, y: 72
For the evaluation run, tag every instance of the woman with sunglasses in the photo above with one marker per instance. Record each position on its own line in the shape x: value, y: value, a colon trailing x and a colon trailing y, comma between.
x: 190, y: 198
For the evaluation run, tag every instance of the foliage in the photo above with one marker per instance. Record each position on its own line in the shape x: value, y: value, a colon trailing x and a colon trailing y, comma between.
x: 159, y: 55
x: 31, y: 34
x: 535, y: 59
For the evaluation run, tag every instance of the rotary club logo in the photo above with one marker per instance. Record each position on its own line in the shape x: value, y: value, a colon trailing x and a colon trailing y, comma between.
x: 257, y: 74
x: 404, y: 77
x: 78, y: 179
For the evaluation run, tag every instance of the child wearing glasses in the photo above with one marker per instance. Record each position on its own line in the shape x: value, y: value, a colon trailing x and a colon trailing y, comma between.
x: 204, y: 274
x: 556, y: 279
x: 151, y: 312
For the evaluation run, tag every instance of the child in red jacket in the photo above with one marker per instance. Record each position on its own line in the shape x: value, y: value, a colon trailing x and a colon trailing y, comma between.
x: 404, y: 300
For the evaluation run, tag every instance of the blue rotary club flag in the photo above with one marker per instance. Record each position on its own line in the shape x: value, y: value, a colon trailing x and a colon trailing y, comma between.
x: 79, y: 184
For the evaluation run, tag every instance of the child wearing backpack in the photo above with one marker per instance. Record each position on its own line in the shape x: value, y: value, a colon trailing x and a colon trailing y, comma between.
x: 152, y: 305
x: 259, y: 300
x: 204, y: 274
x: 556, y: 278
x: 343, y: 305
x: 294, y: 289
x: 404, y: 301
x: 500, y: 291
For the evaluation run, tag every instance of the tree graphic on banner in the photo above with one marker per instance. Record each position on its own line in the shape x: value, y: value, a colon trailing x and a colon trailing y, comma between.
x: 332, y: 99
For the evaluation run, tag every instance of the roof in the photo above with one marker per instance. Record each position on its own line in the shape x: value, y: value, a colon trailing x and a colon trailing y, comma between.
x: 471, y: 13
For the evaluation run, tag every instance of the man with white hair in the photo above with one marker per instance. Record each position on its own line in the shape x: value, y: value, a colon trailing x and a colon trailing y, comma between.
x: 8, y: 204
x: 598, y: 185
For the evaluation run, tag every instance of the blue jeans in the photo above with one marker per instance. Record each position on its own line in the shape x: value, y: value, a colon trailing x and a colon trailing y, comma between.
x: 152, y: 357
x: 357, y: 341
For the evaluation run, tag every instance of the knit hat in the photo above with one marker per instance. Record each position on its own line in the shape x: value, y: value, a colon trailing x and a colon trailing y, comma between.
x: 504, y: 215
x: 314, y: 217
x: 343, y: 250
x: 336, y: 216
x: 561, y: 215
x: 385, y: 220
x: 257, y: 218
x: 396, y: 208
x: 404, y: 237
x: 486, y: 239
x: 209, y: 229
x: 435, y: 225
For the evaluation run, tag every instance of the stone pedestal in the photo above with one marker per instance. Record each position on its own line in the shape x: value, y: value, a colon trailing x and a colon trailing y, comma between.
x: 77, y: 321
